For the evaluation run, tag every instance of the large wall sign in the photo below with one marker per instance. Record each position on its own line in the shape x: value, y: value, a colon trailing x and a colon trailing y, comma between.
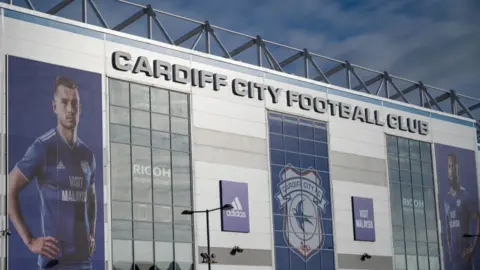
x: 236, y: 194
x: 301, y: 200
x: 363, y: 219
x: 159, y: 69
x: 55, y: 167
x: 459, y: 206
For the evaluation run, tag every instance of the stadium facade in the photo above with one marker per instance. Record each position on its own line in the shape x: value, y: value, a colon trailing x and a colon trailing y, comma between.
x: 317, y: 176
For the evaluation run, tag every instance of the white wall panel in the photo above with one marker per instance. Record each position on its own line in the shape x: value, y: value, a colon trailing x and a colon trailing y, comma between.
x: 453, y: 134
x: 226, y: 124
x: 232, y: 110
x: 111, y: 47
x: 342, y: 192
x: 281, y: 106
x: 229, y: 239
x: 356, y: 147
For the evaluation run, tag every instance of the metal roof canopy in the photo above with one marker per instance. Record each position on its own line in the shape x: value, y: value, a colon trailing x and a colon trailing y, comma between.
x: 313, y: 66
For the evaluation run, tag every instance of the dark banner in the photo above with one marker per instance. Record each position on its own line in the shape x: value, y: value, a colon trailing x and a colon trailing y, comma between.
x: 459, y: 208
x: 55, y: 183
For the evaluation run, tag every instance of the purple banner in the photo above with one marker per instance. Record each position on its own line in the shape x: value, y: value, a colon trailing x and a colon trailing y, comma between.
x: 363, y: 219
x: 236, y: 194
x: 458, y: 203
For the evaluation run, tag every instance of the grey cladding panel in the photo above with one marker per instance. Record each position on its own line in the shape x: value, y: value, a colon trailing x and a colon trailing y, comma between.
x: 230, y: 157
x: 250, y: 257
x: 230, y: 141
x: 350, y: 261
x: 358, y: 169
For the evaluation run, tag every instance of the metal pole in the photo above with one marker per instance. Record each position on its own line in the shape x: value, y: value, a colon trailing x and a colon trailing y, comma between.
x: 208, y: 241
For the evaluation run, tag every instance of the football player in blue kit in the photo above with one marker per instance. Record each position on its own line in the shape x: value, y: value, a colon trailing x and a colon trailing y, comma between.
x: 64, y: 168
x: 461, y: 213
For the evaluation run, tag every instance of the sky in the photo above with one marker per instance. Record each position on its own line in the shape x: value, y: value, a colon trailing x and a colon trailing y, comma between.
x: 435, y: 41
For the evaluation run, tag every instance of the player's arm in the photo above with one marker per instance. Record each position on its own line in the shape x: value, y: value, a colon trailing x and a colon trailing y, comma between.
x: 447, y: 228
x: 25, y: 170
x: 92, y: 207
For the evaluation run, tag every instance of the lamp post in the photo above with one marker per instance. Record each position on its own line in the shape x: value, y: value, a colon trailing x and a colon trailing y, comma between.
x: 207, y: 211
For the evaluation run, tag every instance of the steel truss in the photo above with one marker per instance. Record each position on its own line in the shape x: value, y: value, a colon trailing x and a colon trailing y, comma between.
x: 313, y: 66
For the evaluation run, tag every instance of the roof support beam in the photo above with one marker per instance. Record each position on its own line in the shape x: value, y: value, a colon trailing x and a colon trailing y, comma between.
x: 369, y: 82
x: 132, y: 18
x: 436, y: 100
x: 291, y: 59
x: 188, y: 35
x: 242, y: 48
x: 54, y: 10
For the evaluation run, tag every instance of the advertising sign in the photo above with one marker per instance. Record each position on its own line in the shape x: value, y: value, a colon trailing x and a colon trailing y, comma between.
x: 55, y: 182
x: 236, y: 194
x: 363, y: 219
x: 459, y: 208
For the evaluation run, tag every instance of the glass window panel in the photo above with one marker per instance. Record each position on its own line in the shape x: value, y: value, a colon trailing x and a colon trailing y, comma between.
x: 183, y: 233
x: 398, y: 233
x: 160, y: 140
x: 163, y: 213
x: 179, y: 125
x: 178, y: 218
x: 276, y: 141
x: 160, y: 122
x: 275, y: 125
x: 307, y: 161
x: 140, y: 119
x: 416, y: 166
x: 427, y: 167
x: 423, y: 263
x: 178, y: 104
x: 430, y: 209
x: 122, y: 254
x: 121, y: 229
x: 119, y: 134
x: 182, y: 197
x: 414, y: 149
x: 405, y: 177
x: 120, y: 171
x: 392, y: 147
x: 142, y: 174
x: 321, y: 149
x: 162, y: 174
x: 412, y: 263
x: 292, y: 144
x: 183, y: 255
x: 119, y: 93
x: 425, y: 151
x: 277, y: 157
x: 143, y: 251
x: 422, y: 248
x: 121, y: 210
x: 140, y: 96
x: 404, y: 164
x: 307, y: 147
x: 393, y: 162
x: 290, y: 128
x: 321, y: 164
x: 140, y: 136
x: 143, y: 230
x: 433, y: 249
x: 181, y: 170
x: 180, y: 143
x: 427, y: 180
x: 410, y: 248
x: 403, y: 148
x: 409, y: 233
x: 432, y: 235
x: 417, y: 179
x: 305, y: 130
x: 320, y: 134
x: 394, y: 175
x: 160, y: 100
x: 400, y: 262
x: 399, y: 247
x: 142, y: 212
x: 434, y: 262
x: 419, y: 207
x: 163, y: 231
x: 421, y: 234
x: 119, y: 115
x: 163, y: 254
x: 396, y: 204
x: 407, y: 202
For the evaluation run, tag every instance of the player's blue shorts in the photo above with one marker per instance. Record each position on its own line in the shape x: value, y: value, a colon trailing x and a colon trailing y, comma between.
x: 82, y: 266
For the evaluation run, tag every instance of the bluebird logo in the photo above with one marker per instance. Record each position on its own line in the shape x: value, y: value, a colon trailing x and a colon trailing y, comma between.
x: 237, y: 210
x: 301, y: 196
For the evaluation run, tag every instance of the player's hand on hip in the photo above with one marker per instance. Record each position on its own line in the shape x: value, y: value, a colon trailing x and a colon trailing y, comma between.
x: 46, y: 246
x: 92, y: 245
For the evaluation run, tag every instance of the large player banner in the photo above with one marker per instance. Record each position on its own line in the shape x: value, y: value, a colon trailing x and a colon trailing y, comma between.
x: 55, y: 183
x: 459, y: 207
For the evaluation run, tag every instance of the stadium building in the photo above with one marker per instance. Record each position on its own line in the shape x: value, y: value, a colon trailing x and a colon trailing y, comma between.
x: 114, y: 146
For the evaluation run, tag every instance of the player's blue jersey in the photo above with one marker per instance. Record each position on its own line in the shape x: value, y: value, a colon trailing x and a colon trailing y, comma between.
x: 459, y: 211
x: 64, y: 175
